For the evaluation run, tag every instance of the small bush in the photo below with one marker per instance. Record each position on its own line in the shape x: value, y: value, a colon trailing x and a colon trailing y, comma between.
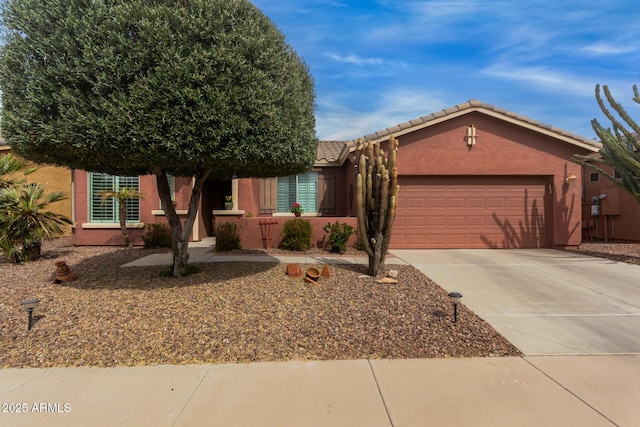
x: 156, y: 236
x: 338, y: 236
x: 227, y: 237
x: 297, y: 235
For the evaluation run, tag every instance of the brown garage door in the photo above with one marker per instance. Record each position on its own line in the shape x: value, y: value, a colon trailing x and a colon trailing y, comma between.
x: 471, y: 212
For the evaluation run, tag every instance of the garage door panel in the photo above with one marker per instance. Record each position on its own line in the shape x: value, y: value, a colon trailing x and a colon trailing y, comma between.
x: 456, y: 221
x: 471, y: 212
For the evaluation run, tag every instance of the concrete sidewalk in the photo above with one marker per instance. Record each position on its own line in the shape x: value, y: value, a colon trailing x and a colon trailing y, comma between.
x: 529, y: 391
x: 198, y: 254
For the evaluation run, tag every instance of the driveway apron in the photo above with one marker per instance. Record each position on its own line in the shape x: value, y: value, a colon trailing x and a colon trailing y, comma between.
x: 546, y: 302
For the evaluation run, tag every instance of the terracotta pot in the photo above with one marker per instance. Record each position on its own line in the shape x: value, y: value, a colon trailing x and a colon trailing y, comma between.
x: 297, y: 214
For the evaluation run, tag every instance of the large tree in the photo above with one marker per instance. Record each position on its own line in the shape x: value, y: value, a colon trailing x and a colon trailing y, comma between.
x: 620, y: 147
x: 197, y: 88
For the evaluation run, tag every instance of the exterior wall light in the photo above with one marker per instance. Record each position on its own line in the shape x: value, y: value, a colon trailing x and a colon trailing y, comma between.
x: 471, y: 136
x: 29, y: 305
x: 571, y: 179
x: 455, y: 300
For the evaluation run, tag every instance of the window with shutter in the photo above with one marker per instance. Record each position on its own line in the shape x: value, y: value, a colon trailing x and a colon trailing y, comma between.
x: 301, y: 188
x: 106, y: 210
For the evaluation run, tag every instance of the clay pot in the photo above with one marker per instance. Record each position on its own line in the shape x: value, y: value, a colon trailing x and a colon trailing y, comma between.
x: 63, y: 273
x: 313, y: 273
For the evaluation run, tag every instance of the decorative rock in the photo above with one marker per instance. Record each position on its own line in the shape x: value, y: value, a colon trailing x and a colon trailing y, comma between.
x: 64, y: 273
x: 325, y: 271
x: 393, y: 274
x: 294, y: 271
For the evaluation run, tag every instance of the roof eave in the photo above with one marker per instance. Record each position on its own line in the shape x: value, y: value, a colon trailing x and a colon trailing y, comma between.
x: 454, y: 112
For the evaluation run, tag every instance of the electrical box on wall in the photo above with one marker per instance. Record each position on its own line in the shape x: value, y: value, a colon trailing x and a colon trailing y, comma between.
x: 595, y: 210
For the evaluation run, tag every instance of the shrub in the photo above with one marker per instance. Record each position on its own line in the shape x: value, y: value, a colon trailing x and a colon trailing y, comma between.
x: 338, y: 236
x: 156, y: 236
x: 227, y: 237
x: 297, y: 235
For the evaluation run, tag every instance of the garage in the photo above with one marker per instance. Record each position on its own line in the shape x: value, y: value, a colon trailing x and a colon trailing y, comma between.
x: 472, y: 212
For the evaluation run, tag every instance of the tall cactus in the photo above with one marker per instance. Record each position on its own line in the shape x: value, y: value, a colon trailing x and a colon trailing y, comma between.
x: 377, y: 199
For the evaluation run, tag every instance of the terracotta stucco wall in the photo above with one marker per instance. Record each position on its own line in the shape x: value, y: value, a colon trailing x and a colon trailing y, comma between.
x: 501, y: 149
x: 251, y: 232
x: 619, y: 210
x: 87, y: 234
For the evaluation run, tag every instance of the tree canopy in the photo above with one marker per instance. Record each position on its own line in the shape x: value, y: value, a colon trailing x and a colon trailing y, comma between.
x: 129, y: 87
x: 199, y: 88
x: 620, y: 144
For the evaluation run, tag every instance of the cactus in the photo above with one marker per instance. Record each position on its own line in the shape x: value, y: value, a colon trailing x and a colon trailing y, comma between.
x: 377, y: 198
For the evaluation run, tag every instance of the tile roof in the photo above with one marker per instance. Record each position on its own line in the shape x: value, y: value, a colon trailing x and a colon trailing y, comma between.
x: 475, y: 105
x: 331, y: 151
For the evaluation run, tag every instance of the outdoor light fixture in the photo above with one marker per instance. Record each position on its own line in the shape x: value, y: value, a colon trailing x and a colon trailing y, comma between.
x: 471, y: 136
x: 455, y: 299
x: 29, y: 305
x: 571, y: 179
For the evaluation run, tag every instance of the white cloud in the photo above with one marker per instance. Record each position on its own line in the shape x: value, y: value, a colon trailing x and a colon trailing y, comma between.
x: 355, y: 59
x: 544, y: 77
x: 338, y: 119
x: 609, y: 49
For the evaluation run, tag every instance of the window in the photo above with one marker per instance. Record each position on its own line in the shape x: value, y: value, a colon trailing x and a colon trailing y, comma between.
x: 106, y: 210
x: 298, y: 188
x: 172, y: 189
x: 617, y: 174
x: 594, y: 177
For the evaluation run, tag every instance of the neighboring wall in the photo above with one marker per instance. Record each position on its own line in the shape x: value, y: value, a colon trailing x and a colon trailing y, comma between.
x: 55, y: 178
x: 619, y: 211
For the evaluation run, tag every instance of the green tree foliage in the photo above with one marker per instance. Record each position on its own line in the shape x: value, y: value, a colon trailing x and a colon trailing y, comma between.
x: 197, y: 88
x: 121, y: 196
x: 620, y: 144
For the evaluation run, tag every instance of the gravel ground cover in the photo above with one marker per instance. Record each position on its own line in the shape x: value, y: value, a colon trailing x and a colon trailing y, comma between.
x: 232, y: 312
x: 617, y: 251
x: 226, y: 312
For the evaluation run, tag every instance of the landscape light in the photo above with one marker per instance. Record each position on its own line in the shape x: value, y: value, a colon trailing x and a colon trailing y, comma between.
x: 29, y: 305
x: 455, y: 299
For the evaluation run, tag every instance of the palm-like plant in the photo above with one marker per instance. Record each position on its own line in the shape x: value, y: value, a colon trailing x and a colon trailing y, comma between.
x: 25, y: 222
x: 121, y: 196
x: 9, y: 166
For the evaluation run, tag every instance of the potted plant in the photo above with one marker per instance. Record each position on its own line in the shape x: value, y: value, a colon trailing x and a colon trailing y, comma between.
x: 296, y: 209
x: 228, y: 202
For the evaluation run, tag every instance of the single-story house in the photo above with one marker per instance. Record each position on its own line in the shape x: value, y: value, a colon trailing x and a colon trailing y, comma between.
x: 471, y: 176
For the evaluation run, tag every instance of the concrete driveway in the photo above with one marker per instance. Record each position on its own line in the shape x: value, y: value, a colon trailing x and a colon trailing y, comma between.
x: 546, y: 302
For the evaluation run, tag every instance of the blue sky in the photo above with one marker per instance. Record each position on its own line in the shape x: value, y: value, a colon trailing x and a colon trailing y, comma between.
x: 382, y: 62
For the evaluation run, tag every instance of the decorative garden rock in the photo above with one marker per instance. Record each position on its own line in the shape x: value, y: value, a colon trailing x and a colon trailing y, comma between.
x: 64, y: 273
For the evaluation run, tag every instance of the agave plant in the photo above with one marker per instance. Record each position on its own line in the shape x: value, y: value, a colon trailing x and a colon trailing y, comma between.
x: 25, y: 222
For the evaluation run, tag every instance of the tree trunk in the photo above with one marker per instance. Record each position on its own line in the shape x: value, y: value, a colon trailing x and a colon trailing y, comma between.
x: 122, y: 213
x: 180, y: 233
x: 376, y: 260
